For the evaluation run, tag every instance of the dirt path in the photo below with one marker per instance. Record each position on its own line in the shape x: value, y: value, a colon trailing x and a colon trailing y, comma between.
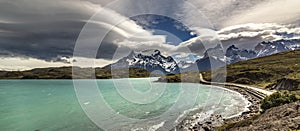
x: 249, y: 88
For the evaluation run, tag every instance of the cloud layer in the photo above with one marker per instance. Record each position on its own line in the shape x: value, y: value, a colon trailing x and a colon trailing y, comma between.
x: 48, y: 30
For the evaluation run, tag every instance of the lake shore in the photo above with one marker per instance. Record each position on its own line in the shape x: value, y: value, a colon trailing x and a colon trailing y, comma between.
x: 195, y: 121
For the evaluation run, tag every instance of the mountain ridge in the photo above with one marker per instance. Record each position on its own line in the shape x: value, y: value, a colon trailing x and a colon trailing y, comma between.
x: 265, y: 48
x: 151, y: 61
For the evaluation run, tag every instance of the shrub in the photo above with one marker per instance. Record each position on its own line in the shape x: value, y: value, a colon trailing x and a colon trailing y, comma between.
x: 277, y: 99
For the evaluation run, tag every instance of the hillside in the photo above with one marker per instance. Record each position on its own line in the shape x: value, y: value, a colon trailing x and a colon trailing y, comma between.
x: 275, y: 71
x: 81, y: 73
x: 284, y: 117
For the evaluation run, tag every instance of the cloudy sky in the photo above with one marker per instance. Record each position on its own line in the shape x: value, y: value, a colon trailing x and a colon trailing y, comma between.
x: 40, y: 33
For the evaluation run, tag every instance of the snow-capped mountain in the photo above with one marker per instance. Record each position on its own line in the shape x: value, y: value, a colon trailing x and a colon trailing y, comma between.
x: 185, y: 60
x: 150, y: 60
x: 269, y: 48
x: 213, y: 58
x: 234, y: 54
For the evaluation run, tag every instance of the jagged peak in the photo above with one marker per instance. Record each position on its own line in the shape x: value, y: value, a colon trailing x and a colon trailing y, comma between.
x: 232, y: 47
x: 150, y: 60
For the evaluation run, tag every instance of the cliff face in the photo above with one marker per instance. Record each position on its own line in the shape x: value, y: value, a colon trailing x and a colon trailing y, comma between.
x: 285, y: 117
x: 286, y: 84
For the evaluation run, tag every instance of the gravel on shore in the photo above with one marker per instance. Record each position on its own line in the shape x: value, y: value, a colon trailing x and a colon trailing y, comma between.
x: 195, y: 120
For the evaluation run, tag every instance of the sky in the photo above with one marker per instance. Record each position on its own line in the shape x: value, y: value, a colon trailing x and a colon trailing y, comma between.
x: 39, y: 33
x: 161, y: 25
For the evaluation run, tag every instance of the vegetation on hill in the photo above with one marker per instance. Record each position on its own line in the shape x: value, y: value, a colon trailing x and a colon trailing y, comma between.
x: 283, y: 117
x: 278, y: 99
x: 79, y: 73
x: 192, y: 77
x: 278, y: 69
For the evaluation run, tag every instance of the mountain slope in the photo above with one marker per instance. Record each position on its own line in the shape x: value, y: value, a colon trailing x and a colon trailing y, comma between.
x: 234, y: 54
x: 150, y: 60
x: 213, y: 58
x: 269, y: 71
x: 285, y: 117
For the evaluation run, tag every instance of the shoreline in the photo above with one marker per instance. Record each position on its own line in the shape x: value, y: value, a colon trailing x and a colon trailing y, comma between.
x: 193, y: 119
x: 253, y: 96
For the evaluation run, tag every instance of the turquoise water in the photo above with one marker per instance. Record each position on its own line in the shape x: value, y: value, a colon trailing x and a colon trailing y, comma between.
x: 53, y: 105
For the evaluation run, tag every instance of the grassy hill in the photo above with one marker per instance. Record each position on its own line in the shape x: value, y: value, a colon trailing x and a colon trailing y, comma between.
x: 266, y: 72
x: 275, y: 71
x: 80, y: 73
x: 284, y: 117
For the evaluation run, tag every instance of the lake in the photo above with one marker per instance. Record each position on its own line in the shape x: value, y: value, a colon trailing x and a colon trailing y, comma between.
x: 129, y: 104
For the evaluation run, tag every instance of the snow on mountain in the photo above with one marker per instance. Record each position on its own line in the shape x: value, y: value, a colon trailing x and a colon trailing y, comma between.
x: 185, y: 64
x: 185, y: 60
x: 216, y: 58
x: 234, y: 54
x: 150, y: 60
x: 213, y: 57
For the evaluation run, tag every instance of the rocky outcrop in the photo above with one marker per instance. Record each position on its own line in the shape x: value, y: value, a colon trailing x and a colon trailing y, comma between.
x: 285, y: 84
x: 150, y: 60
x: 285, y: 117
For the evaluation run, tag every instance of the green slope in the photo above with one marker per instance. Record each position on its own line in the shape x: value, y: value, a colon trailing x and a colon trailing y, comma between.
x: 265, y: 71
x: 79, y: 73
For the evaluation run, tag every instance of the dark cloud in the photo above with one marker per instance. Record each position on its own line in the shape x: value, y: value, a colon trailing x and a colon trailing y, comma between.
x: 40, y: 40
x: 40, y: 29
x: 49, y: 29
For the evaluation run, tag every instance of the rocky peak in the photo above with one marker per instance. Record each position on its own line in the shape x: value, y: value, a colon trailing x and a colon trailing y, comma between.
x: 150, y: 60
x: 214, y: 52
x: 232, y: 47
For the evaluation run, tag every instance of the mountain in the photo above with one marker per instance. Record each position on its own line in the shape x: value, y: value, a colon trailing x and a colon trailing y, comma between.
x: 213, y: 58
x: 278, y: 71
x: 269, y: 48
x: 234, y: 54
x: 185, y: 64
x: 149, y: 60
x: 185, y: 61
x: 274, y: 71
